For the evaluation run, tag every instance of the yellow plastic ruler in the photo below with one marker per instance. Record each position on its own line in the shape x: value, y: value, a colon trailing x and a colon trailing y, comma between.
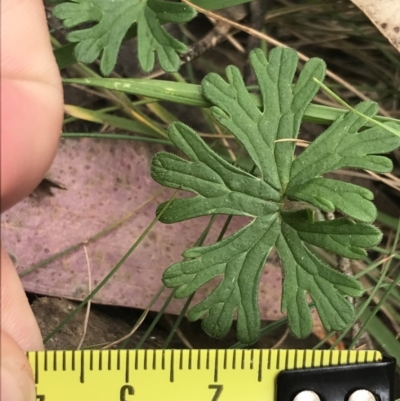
x: 179, y: 375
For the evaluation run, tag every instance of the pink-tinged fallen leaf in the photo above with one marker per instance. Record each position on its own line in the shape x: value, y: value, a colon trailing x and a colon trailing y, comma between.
x: 385, y: 15
x: 105, y: 181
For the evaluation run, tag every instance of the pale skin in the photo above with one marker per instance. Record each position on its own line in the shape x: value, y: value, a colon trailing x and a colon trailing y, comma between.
x: 31, y: 117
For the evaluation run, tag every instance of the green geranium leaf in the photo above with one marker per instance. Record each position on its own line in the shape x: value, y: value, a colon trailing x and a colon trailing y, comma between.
x: 330, y: 195
x: 282, y: 199
x: 114, y: 18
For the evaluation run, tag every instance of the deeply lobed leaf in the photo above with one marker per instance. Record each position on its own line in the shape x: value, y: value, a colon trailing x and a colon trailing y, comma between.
x: 239, y: 259
x: 304, y: 273
x: 343, y: 145
x: 280, y: 116
x: 284, y: 181
x: 330, y: 195
x: 341, y: 236
x: 221, y: 187
x: 114, y: 18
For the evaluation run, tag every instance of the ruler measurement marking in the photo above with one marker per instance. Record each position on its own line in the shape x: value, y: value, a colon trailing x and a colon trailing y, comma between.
x: 36, y: 368
x: 64, y: 361
x: 127, y: 364
x: 180, y: 359
x: 171, y: 367
x: 154, y: 360
x: 119, y: 360
x: 73, y: 360
x: 82, y: 375
x: 100, y: 361
x: 242, y: 364
x: 295, y: 359
x: 45, y: 360
x: 252, y: 359
x: 313, y: 359
x: 190, y: 359
x: 269, y: 360
x: 234, y: 360
x: 91, y: 360
x: 208, y: 360
x: 216, y: 367
x: 109, y: 359
x: 286, y: 366
x: 136, y: 361
x: 145, y: 360
x: 278, y: 359
x: 225, y: 359
x: 55, y: 361
x: 163, y: 361
x: 260, y: 361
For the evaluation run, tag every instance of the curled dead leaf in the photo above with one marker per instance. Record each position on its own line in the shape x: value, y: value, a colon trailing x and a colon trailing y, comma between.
x: 385, y: 15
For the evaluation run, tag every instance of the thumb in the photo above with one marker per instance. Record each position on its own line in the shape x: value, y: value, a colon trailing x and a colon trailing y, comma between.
x: 16, y: 375
x: 18, y: 329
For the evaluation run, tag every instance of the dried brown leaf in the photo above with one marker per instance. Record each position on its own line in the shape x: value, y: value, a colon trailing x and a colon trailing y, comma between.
x: 385, y: 14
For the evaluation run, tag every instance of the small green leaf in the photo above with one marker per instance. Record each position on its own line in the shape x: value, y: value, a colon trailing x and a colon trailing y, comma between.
x: 280, y: 200
x: 341, y: 236
x: 239, y: 259
x: 342, y: 145
x: 281, y: 113
x: 304, y: 273
x: 221, y: 187
x: 330, y: 195
x: 113, y: 19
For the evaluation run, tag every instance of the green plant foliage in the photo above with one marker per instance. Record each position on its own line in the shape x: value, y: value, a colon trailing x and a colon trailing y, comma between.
x: 218, y: 4
x: 282, y: 199
x: 113, y: 18
x: 191, y: 95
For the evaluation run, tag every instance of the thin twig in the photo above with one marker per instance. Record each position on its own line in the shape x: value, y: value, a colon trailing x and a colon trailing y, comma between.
x: 210, y: 40
x: 226, y: 143
x: 299, y: 142
x: 276, y: 42
x: 89, y: 302
x: 134, y: 329
x: 228, y: 35
x: 385, y: 181
x: 258, y: 11
x: 281, y: 340
x: 179, y: 333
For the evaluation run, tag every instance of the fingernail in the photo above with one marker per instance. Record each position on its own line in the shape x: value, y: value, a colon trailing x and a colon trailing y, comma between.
x: 16, y: 386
